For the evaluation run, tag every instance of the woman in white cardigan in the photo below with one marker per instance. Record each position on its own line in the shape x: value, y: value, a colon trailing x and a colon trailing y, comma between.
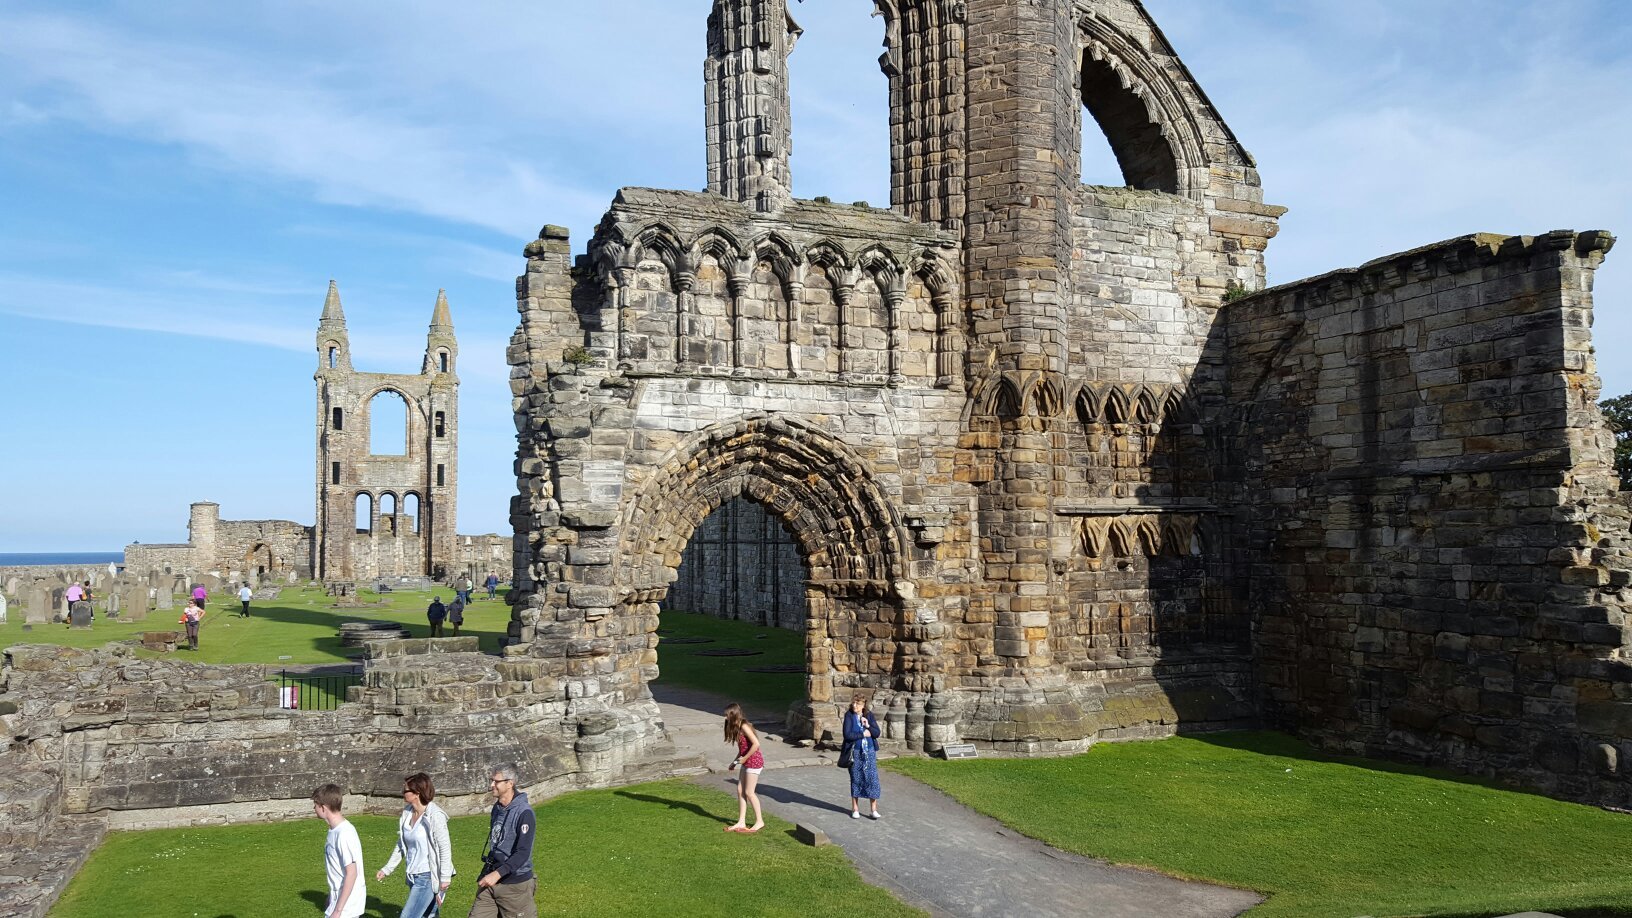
x: 422, y: 841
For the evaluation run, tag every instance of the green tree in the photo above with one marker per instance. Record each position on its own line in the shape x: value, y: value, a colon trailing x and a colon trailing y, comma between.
x: 1618, y: 412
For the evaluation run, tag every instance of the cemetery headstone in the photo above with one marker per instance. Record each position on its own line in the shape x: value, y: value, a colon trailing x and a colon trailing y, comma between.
x: 2, y: 608
x: 39, y: 605
x: 79, y: 615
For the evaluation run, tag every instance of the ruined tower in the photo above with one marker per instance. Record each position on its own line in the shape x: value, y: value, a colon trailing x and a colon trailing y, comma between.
x: 385, y: 509
x: 1053, y: 464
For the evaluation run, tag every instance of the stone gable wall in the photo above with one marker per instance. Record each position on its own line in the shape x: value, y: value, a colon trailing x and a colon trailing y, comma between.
x: 1441, y: 563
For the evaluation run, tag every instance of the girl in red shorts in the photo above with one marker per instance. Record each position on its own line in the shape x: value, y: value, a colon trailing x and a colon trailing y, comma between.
x: 752, y: 760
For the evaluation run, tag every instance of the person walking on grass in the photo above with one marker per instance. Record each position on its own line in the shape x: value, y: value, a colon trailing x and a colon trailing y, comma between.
x: 738, y: 730
x: 200, y: 594
x: 492, y: 584
x: 244, y: 596
x: 342, y: 856
x: 860, y: 755
x: 456, y: 614
x: 507, y: 888
x: 422, y: 841
x: 190, y: 617
x: 434, y: 614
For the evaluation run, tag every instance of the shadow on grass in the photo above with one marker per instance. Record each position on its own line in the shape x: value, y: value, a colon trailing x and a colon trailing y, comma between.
x: 1285, y: 745
x: 332, y: 617
x: 671, y: 804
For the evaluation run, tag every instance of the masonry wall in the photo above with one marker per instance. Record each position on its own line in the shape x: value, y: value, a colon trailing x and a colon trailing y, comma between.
x: 1440, y: 560
x: 173, y: 743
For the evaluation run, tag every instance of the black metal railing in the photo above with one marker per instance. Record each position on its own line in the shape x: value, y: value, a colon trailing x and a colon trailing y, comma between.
x: 323, y: 691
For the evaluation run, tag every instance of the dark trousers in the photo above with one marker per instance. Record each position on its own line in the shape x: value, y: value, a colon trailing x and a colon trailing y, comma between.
x: 436, y: 627
x: 245, y: 613
x: 192, y: 635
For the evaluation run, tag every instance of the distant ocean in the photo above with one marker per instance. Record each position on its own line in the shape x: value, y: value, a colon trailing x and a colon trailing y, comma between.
x: 69, y: 558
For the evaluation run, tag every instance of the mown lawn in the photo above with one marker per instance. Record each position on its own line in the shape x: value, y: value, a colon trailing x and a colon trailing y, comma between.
x: 652, y: 849
x: 680, y: 664
x: 1321, y: 836
x: 301, y: 625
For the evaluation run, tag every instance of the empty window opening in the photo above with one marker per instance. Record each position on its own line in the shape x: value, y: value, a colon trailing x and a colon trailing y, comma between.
x: 388, y: 424
x: 442, y: 360
x: 441, y: 424
x: 365, y: 513
x: 840, y: 102
x: 334, y: 473
x: 388, y: 512
x: 1132, y: 145
x: 410, y: 508
x: 441, y: 474
x: 339, y: 421
x: 334, y: 356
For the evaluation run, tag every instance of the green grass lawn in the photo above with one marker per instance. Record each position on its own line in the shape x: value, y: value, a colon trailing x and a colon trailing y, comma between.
x: 653, y: 849
x: 301, y: 624
x: 1321, y: 836
x: 679, y: 664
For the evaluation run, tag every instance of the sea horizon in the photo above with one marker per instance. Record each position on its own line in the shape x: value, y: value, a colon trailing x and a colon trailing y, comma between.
x: 66, y: 558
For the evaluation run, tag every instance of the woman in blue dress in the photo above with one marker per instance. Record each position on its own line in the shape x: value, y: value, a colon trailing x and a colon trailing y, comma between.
x: 861, y: 749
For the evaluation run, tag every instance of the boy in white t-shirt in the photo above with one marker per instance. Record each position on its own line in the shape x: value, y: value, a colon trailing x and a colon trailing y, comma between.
x: 342, y: 856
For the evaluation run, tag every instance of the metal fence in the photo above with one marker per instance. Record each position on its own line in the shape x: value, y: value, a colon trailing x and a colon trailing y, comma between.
x: 325, y: 691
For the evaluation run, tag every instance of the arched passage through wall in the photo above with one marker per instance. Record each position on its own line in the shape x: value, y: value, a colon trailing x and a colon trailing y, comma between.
x: 838, y: 517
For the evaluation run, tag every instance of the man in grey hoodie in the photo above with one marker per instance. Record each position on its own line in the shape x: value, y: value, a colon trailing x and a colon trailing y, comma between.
x: 507, y: 887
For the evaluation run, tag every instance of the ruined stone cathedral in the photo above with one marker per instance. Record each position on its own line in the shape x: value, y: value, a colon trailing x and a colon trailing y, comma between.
x: 1056, y: 466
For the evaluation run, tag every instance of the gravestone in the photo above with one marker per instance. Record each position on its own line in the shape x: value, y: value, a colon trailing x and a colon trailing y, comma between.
x: 163, y: 597
x: 39, y: 604
x: 59, y: 604
x: 2, y: 608
x: 79, y: 615
x: 133, y: 604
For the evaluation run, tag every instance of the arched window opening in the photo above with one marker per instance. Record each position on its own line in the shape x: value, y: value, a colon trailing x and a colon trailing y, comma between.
x: 388, y: 512
x: 742, y: 563
x: 1140, y: 152
x: 365, y: 513
x: 334, y: 356
x: 410, y: 507
x: 388, y: 424
x: 442, y: 360
x: 338, y: 421
x: 840, y: 104
x: 441, y: 424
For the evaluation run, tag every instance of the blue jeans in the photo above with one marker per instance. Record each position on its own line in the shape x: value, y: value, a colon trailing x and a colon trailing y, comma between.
x: 421, y: 897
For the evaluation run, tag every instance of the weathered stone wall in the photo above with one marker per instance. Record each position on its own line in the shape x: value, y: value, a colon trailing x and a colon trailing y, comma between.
x: 163, y: 742
x: 410, y: 498
x: 480, y: 555
x: 233, y: 550
x: 742, y: 564
x: 1440, y: 563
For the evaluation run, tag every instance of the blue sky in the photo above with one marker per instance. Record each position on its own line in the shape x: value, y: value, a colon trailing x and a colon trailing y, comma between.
x: 179, y: 181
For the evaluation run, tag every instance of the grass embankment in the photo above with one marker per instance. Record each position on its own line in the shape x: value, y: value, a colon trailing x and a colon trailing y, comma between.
x: 652, y: 849
x: 302, y: 624
x: 680, y: 663
x: 1321, y: 836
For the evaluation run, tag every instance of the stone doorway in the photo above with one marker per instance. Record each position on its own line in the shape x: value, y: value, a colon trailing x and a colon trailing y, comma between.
x: 836, y: 519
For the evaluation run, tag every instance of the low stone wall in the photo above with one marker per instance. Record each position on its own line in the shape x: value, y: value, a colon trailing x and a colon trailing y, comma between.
x: 161, y: 742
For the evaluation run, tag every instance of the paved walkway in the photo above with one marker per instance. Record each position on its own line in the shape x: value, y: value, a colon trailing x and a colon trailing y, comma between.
x: 929, y: 850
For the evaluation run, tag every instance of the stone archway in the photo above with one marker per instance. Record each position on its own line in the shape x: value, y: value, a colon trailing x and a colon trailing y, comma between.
x: 847, y: 531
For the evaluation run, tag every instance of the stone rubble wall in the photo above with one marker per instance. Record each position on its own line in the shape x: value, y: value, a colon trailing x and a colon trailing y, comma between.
x: 1440, y: 558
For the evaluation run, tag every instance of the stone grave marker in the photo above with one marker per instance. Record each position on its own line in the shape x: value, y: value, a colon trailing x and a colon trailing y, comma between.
x: 163, y: 597
x: 2, y: 608
x: 133, y: 602
x: 39, y: 604
x: 59, y: 604
x: 79, y: 615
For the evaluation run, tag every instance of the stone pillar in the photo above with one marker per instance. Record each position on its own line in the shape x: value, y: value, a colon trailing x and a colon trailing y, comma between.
x: 746, y: 92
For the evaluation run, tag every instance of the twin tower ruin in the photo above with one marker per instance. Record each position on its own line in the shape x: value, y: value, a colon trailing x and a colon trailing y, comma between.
x: 1053, y: 470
